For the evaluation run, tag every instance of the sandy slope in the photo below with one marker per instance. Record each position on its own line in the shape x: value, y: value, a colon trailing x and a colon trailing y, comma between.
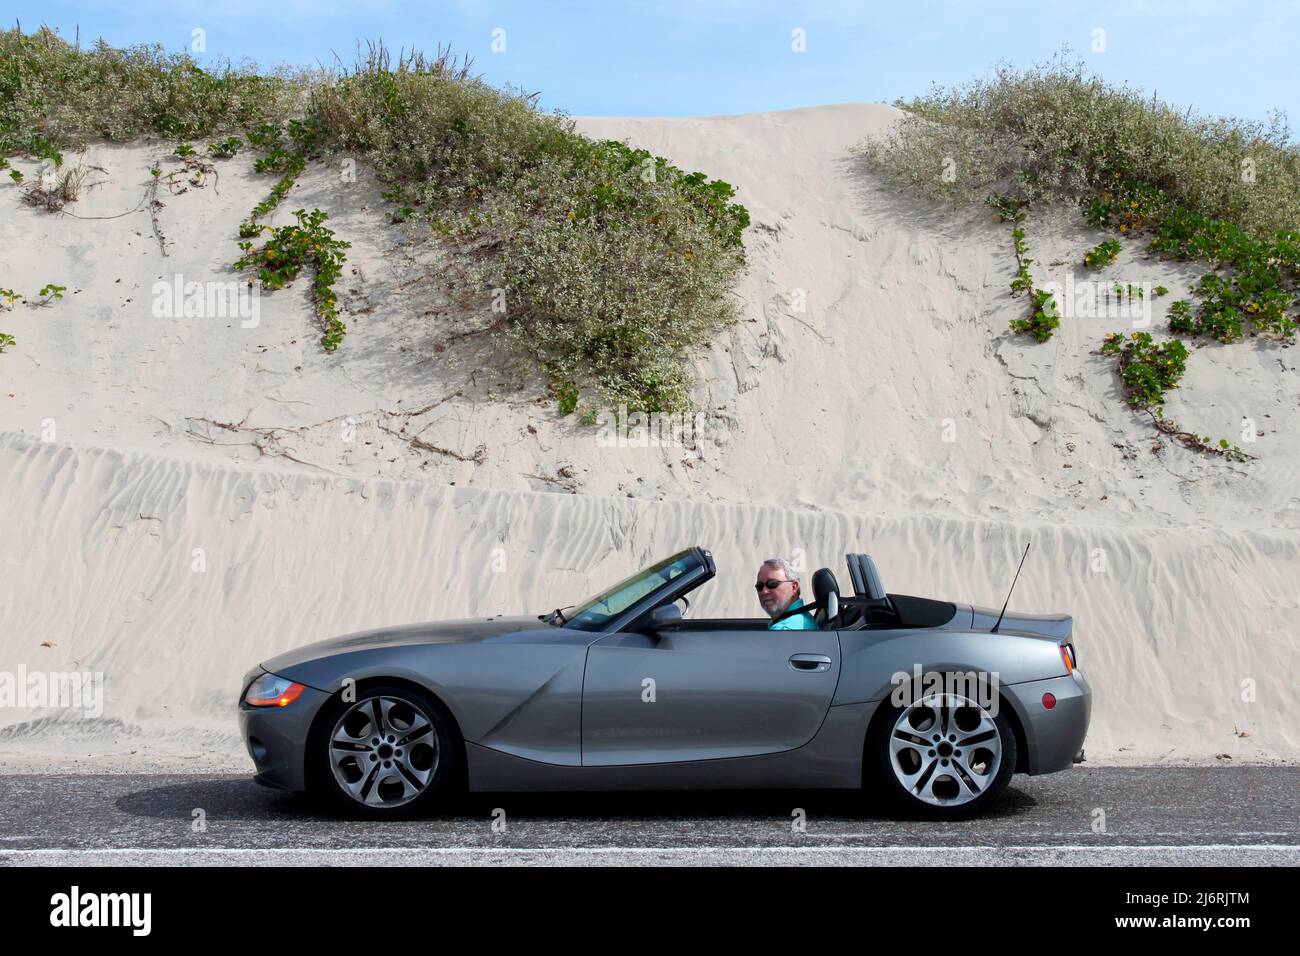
x: 371, y: 486
x: 101, y: 562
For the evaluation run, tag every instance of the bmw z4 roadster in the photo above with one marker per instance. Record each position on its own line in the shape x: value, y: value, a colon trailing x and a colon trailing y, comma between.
x: 930, y: 703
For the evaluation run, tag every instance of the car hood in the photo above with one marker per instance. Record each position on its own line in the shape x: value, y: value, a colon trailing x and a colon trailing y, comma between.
x: 460, y: 631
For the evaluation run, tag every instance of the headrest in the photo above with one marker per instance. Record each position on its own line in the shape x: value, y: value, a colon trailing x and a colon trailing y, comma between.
x: 826, y: 591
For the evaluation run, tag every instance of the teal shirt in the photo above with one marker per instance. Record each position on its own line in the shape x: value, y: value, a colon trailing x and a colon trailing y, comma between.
x: 795, y: 622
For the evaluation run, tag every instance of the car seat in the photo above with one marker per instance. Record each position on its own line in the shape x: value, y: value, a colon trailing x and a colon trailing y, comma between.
x: 826, y: 597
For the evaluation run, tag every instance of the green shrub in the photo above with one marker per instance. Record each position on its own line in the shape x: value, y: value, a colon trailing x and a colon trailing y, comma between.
x: 1103, y: 255
x: 1224, y: 191
x: 612, y: 265
x: 1008, y: 209
x: 1023, y: 282
x: 1257, y: 290
x: 1147, y: 368
x: 54, y: 95
x: 1055, y: 132
x: 308, y: 245
x: 1137, y: 208
x: 566, y: 398
x: 7, y: 298
x: 1043, y: 317
x: 226, y: 148
x: 1181, y: 318
x: 287, y: 156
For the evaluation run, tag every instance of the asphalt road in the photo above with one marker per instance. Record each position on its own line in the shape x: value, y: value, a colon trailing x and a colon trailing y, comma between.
x: 1167, y: 816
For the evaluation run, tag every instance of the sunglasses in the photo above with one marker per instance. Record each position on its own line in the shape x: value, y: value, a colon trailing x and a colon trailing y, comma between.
x: 771, y: 584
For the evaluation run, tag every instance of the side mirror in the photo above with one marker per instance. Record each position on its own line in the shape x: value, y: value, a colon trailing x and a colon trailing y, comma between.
x: 665, y: 615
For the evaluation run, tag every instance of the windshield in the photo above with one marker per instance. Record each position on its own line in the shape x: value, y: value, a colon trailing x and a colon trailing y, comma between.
x: 594, y: 614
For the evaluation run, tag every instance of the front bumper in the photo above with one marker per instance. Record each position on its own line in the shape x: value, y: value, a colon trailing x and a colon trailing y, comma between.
x: 1053, y: 737
x: 276, y: 737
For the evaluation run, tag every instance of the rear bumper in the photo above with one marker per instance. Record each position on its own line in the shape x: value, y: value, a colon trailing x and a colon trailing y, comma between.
x: 1053, y: 737
x: 276, y: 739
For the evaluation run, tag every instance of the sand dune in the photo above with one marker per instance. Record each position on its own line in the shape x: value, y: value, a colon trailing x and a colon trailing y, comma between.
x: 869, y: 399
x: 172, y: 577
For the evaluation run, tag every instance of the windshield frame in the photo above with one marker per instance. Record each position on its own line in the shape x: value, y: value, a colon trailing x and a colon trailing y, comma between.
x: 698, y: 569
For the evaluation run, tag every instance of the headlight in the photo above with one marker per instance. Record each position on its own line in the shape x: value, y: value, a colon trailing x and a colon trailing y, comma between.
x: 272, y: 691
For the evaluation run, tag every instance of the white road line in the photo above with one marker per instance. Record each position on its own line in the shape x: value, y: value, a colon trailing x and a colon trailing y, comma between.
x: 598, y: 850
x: 1219, y: 854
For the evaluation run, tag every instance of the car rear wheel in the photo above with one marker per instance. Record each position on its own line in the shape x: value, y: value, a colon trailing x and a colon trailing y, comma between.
x: 943, y: 756
x: 389, y: 753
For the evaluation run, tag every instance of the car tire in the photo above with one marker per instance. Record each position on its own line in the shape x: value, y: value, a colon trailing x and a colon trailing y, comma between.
x: 391, y: 753
x: 927, y: 778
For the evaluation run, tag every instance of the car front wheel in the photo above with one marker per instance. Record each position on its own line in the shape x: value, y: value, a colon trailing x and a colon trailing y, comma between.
x: 389, y: 753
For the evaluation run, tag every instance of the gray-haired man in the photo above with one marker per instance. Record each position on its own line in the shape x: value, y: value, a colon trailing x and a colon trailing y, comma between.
x: 778, y: 591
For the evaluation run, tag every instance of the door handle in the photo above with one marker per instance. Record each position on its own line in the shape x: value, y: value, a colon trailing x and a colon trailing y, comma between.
x: 810, y: 663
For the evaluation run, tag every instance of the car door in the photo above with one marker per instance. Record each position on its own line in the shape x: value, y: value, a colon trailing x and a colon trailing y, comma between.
x: 702, y: 694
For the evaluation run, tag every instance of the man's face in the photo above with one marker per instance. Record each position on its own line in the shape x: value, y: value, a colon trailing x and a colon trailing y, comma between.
x: 775, y: 599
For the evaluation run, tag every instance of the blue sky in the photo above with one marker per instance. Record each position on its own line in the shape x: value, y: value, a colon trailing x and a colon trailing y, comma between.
x: 702, y: 57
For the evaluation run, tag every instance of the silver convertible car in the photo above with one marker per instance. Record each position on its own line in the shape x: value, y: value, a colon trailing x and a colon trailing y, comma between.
x: 931, y: 703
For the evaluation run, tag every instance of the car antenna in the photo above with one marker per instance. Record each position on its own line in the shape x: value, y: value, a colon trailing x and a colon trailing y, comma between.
x: 1013, y: 587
